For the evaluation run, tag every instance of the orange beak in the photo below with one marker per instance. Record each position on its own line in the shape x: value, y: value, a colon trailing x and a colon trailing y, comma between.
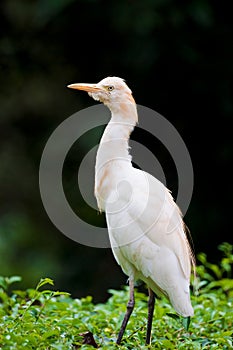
x: 85, y: 87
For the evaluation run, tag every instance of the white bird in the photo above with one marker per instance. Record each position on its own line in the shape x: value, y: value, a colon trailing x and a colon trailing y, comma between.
x: 145, y: 227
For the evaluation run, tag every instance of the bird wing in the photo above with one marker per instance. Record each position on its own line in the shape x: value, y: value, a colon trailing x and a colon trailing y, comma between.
x: 147, y: 237
x: 143, y: 221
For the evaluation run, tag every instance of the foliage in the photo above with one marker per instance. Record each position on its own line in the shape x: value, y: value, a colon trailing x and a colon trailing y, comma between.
x: 46, y: 319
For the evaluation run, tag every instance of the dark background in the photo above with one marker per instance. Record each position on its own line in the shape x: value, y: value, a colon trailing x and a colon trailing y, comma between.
x: 177, y: 58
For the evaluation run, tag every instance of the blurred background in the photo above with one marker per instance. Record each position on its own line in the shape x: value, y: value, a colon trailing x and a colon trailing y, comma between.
x: 177, y: 58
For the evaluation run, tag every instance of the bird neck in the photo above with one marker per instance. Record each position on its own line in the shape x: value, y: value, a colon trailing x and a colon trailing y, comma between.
x: 113, y: 158
x: 114, y: 144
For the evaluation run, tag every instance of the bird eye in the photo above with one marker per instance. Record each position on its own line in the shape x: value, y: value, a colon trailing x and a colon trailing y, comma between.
x: 110, y: 88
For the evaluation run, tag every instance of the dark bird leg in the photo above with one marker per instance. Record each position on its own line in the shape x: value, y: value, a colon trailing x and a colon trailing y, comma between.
x: 151, y: 304
x: 130, y: 307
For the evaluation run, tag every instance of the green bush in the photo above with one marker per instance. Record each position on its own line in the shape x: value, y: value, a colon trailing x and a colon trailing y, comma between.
x: 46, y: 319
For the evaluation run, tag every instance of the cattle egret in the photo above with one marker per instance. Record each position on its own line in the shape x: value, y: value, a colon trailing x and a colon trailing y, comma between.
x: 145, y: 227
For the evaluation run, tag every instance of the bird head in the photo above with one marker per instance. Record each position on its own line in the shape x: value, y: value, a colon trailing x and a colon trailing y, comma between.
x: 110, y: 91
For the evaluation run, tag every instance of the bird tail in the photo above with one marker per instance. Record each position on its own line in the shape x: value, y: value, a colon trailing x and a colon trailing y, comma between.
x: 191, y: 250
x: 180, y: 299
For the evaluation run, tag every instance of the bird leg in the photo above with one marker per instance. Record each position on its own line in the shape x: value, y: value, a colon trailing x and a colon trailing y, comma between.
x: 151, y: 304
x: 130, y: 307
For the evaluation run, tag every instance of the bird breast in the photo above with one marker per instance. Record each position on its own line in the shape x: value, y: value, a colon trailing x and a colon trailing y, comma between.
x: 111, y: 184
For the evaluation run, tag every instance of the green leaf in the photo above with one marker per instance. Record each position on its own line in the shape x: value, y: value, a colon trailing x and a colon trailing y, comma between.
x: 44, y: 281
x: 174, y: 316
x: 186, y: 322
x: 3, y: 283
x: 13, y: 279
x: 50, y: 333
